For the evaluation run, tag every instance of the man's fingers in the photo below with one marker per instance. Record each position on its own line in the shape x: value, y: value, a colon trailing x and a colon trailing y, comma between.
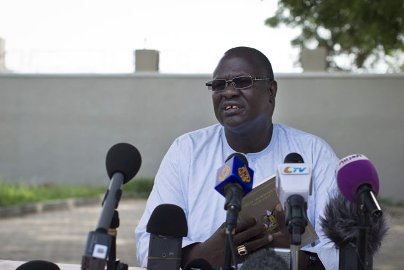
x: 278, y: 213
x: 249, y: 233
x: 255, y: 244
x: 245, y: 224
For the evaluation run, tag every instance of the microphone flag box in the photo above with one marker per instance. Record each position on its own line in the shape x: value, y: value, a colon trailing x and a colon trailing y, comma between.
x: 260, y: 203
x: 296, y: 179
x: 234, y: 171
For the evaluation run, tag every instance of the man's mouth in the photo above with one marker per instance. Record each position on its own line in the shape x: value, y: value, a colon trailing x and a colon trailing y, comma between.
x: 231, y: 107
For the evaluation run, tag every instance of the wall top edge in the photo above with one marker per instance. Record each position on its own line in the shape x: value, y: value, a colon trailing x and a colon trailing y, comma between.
x: 102, y: 75
x: 304, y: 75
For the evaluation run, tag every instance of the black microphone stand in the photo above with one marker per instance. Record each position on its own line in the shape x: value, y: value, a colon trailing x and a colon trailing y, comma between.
x: 355, y: 254
x: 364, y: 260
x: 368, y: 208
x: 112, y: 262
x: 234, y: 194
x: 296, y: 219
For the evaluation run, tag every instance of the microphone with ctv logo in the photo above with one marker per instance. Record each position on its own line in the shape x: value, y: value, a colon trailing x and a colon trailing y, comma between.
x: 293, y: 185
x: 234, y: 181
x: 167, y: 225
x: 363, y: 225
x: 122, y: 162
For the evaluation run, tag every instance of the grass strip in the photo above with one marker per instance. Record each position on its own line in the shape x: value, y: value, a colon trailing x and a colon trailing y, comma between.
x: 20, y: 193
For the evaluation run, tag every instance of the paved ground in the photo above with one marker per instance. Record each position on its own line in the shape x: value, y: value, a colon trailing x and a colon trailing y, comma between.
x: 60, y: 235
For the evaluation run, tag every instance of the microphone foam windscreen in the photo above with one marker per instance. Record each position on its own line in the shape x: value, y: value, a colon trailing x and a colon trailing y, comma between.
x: 341, y: 220
x: 38, y: 265
x: 123, y: 158
x: 354, y: 171
x: 293, y: 158
x: 240, y: 156
x: 168, y: 220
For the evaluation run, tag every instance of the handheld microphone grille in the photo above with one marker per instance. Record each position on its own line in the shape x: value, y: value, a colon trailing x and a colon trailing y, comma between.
x: 354, y: 171
x: 123, y: 158
x: 168, y: 220
x: 293, y: 158
x: 38, y: 265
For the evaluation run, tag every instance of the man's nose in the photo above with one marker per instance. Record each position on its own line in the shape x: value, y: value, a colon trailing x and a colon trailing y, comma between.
x: 230, y: 89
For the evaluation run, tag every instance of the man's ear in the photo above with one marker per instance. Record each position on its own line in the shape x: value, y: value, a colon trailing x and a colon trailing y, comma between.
x: 273, y: 88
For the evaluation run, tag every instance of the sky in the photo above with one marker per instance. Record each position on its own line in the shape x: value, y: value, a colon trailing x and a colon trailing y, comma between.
x: 100, y: 36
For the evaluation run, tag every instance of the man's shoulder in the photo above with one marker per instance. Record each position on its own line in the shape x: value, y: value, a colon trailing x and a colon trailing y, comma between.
x: 285, y: 130
x: 206, y: 133
x: 289, y: 134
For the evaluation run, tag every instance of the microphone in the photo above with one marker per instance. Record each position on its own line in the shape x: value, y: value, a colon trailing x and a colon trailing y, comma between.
x: 264, y: 259
x: 293, y: 177
x: 122, y: 162
x: 358, y: 181
x: 340, y: 224
x: 198, y: 264
x: 38, y: 265
x: 167, y: 225
x: 293, y: 184
x: 234, y: 181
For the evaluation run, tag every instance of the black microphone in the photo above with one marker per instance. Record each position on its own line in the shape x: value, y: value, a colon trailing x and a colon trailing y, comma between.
x: 122, y: 162
x: 38, y: 265
x: 167, y: 225
x: 264, y: 259
x: 340, y: 224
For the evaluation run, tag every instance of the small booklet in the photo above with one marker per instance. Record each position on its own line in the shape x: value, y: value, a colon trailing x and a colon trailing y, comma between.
x: 260, y: 203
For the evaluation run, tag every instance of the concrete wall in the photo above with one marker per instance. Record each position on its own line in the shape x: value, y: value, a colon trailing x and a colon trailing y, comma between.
x: 2, y: 55
x: 58, y: 128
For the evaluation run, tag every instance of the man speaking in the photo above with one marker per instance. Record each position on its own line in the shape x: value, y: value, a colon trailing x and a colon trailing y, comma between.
x: 243, y: 92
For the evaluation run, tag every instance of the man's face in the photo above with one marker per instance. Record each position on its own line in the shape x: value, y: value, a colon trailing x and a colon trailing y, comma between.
x: 239, y: 109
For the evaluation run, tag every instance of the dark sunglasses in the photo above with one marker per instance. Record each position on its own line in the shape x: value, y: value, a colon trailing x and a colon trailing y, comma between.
x: 240, y: 82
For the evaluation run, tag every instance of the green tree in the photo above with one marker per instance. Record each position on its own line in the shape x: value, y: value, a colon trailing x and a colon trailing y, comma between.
x: 369, y: 32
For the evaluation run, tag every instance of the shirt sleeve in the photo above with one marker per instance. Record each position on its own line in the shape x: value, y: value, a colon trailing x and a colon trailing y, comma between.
x: 168, y: 188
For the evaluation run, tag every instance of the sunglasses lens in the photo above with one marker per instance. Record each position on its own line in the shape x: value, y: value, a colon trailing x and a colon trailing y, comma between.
x: 242, y: 82
x: 218, y: 85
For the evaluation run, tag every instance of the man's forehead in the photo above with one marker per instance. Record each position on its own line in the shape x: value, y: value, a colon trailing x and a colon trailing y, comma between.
x: 235, y: 65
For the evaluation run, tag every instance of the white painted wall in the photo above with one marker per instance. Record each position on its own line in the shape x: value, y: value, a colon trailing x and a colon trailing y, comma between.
x: 58, y: 128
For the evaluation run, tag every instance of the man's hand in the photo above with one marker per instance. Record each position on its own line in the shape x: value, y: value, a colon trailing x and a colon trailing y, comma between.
x: 282, y: 237
x: 248, y: 233
x: 252, y: 235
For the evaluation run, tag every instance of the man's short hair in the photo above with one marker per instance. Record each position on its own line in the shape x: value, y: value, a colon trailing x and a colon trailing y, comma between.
x: 256, y: 55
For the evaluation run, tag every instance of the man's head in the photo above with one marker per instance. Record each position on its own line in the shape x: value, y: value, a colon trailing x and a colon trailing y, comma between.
x: 243, y: 90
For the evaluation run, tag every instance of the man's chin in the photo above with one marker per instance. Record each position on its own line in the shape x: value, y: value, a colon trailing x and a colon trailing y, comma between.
x: 234, y: 126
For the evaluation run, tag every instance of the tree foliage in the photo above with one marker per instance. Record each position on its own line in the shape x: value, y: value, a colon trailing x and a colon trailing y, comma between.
x: 368, y: 31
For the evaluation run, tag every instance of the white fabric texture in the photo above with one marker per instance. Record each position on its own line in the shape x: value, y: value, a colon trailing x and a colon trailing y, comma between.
x: 187, y: 177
